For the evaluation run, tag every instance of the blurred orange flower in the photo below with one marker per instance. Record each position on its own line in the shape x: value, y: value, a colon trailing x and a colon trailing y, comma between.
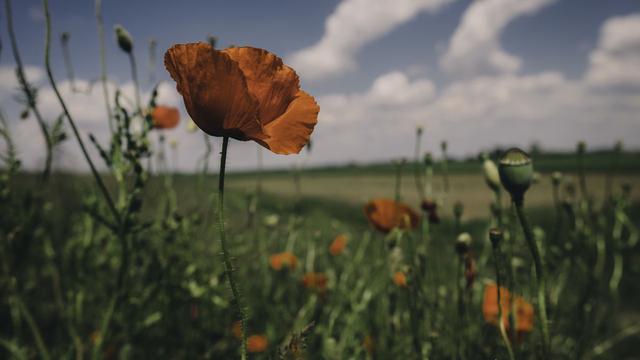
x: 165, y: 117
x: 244, y: 93
x: 400, y: 279
x: 387, y: 214
x: 337, y: 246
x: 236, y: 329
x: 283, y: 259
x: 524, y: 310
x: 257, y: 343
x: 369, y: 344
x: 315, y: 280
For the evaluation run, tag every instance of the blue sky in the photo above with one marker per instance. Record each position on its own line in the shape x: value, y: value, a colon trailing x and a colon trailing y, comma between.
x: 477, y: 73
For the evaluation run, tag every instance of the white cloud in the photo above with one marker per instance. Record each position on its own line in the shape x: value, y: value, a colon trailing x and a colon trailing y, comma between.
x: 474, y: 49
x: 352, y: 25
x: 9, y: 82
x: 616, y: 60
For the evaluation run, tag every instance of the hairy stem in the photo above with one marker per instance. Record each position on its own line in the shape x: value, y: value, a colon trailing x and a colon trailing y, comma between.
x: 103, y: 63
x: 47, y: 62
x: 540, y: 276
x: 228, y: 267
x: 28, y: 92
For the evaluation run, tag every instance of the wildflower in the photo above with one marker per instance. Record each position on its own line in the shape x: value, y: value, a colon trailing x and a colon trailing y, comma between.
x: 337, y: 246
x: 165, y: 117
x: 400, y: 279
x: 523, y: 310
x: 257, y: 343
x: 244, y: 93
x: 283, y: 259
x: 315, y: 281
x: 385, y: 215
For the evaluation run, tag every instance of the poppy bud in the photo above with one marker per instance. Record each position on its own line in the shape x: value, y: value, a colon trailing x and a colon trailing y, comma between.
x: 618, y: 147
x: 491, y: 175
x: 428, y: 159
x: 582, y: 147
x: 64, y: 38
x: 443, y: 145
x: 463, y: 243
x: 516, y: 172
x: 495, y: 235
x: 556, y: 178
x: 212, y: 40
x: 419, y: 130
x: 124, y: 39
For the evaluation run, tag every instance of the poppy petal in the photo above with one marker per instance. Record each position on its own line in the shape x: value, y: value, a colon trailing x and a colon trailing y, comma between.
x: 290, y: 132
x: 165, y: 117
x: 274, y: 84
x: 214, y: 89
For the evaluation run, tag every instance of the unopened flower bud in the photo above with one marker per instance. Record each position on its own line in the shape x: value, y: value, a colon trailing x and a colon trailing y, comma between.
x: 556, y: 178
x: 581, y: 147
x: 463, y: 243
x: 491, y: 175
x: 495, y: 235
x: 458, y: 209
x: 124, y: 39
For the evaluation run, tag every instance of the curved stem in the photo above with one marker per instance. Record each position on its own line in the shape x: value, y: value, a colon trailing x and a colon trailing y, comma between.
x: 103, y: 63
x: 134, y: 75
x: 503, y: 331
x: 540, y: 276
x: 228, y: 267
x: 28, y: 92
x: 47, y: 62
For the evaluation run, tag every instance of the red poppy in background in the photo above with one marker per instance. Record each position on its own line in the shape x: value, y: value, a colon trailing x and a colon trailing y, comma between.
x: 385, y: 215
x: 165, y: 117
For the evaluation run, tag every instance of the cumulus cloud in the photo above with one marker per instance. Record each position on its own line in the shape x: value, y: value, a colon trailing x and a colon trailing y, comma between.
x: 474, y: 49
x: 616, y: 60
x: 352, y: 25
x: 9, y: 82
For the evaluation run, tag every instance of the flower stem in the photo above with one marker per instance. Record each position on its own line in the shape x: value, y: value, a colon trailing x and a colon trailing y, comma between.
x: 29, y: 91
x: 103, y: 63
x: 228, y: 267
x: 47, y: 62
x: 540, y: 276
x: 503, y: 332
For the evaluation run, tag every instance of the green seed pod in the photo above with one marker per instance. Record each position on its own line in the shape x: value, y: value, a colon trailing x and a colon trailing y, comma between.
x: 556, y: 178
x: 124, y: 39
x: 581, y: 147
x: 428, y: 159
x: 516, y: 172
x: 491, y: 174
x: 419, y: 130
x: 463, y: 243
x: 495, y: 235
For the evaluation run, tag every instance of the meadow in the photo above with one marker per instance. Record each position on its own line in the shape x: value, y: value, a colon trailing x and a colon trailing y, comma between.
x: 506, y: 255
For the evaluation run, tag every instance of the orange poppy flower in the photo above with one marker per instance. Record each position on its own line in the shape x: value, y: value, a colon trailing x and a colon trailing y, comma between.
x: 400, y: 279
x: 236, y: 329
x: 244, y: 93
x: 257, y: 343
x: 165, y: 117
x: 387, y: 214
x: 524, y: 310
x: 337, y: 246
x: 315, y: 280
x: 283, y: 259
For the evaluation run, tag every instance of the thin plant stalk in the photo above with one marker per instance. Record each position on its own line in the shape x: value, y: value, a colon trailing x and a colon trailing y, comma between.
x: 28, y: 92
x: 503, y: 332
x: 540, y: 275
x: 103, y: 63
x: 47, y: 61
x: 66, y: 55
x: 136, y: 85
x: 35, y: 331
x: 418, y: 166
x: 229, y: 271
